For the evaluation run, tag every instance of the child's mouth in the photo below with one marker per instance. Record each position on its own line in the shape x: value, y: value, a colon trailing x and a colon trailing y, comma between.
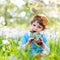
x: 33, y: 31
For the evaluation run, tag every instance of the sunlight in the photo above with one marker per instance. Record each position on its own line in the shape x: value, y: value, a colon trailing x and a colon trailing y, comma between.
x: 19, y: 3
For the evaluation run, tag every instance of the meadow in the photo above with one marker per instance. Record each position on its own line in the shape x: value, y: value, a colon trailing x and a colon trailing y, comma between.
x: 10, y: 50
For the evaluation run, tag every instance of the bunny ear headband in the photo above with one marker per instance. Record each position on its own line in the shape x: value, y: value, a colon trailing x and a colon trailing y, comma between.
x: 42, y: 17
x: 45, y: 20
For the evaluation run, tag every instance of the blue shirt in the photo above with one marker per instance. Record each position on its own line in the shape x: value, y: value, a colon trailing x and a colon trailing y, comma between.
x: 34, y: 49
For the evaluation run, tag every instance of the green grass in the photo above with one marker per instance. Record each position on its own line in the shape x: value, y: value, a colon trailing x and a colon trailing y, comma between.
x: 12, y: 52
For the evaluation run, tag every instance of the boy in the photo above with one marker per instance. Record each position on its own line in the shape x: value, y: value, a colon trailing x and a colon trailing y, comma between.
x: 37, y: 45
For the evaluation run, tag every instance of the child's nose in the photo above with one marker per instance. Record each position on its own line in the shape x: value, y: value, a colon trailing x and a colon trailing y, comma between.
x: 35, y: 28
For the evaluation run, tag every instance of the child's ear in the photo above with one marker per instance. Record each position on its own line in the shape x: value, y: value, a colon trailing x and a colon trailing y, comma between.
x: 44, y: 28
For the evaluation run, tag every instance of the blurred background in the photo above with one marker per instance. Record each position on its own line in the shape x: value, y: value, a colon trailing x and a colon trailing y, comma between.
x: 14, y: 21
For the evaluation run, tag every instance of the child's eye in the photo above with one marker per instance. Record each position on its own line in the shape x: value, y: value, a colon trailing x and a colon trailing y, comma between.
x: 34, y: 25
x: 39, y: 27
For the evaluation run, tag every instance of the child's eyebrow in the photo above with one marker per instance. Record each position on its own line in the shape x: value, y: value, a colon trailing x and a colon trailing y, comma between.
x: 40, y: 25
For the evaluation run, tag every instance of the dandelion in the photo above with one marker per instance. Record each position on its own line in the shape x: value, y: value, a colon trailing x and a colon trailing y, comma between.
x: 5, y: 41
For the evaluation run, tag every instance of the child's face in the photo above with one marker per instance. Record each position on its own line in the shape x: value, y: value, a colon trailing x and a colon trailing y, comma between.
x: 35, y: 27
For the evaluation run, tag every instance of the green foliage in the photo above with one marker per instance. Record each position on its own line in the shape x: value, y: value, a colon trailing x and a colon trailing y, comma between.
x: 54, y: 50
x: 12, y: 50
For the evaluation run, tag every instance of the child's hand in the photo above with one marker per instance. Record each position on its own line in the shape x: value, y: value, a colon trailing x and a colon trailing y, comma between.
x: 40, y: 38
x: 31, y: 39
x: 41, y: 42
x: 38, y: 42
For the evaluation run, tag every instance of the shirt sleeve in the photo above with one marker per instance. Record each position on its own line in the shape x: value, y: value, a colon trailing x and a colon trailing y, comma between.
x: 23, y: 41
x: 46, y: 50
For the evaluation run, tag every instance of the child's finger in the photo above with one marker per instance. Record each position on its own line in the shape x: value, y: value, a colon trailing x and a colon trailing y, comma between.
x: 40, y: 38
x: 31, y: 39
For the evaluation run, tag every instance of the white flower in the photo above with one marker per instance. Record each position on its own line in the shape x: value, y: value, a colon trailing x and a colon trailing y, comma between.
x: 5, y: 41
x: 22, y: 14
